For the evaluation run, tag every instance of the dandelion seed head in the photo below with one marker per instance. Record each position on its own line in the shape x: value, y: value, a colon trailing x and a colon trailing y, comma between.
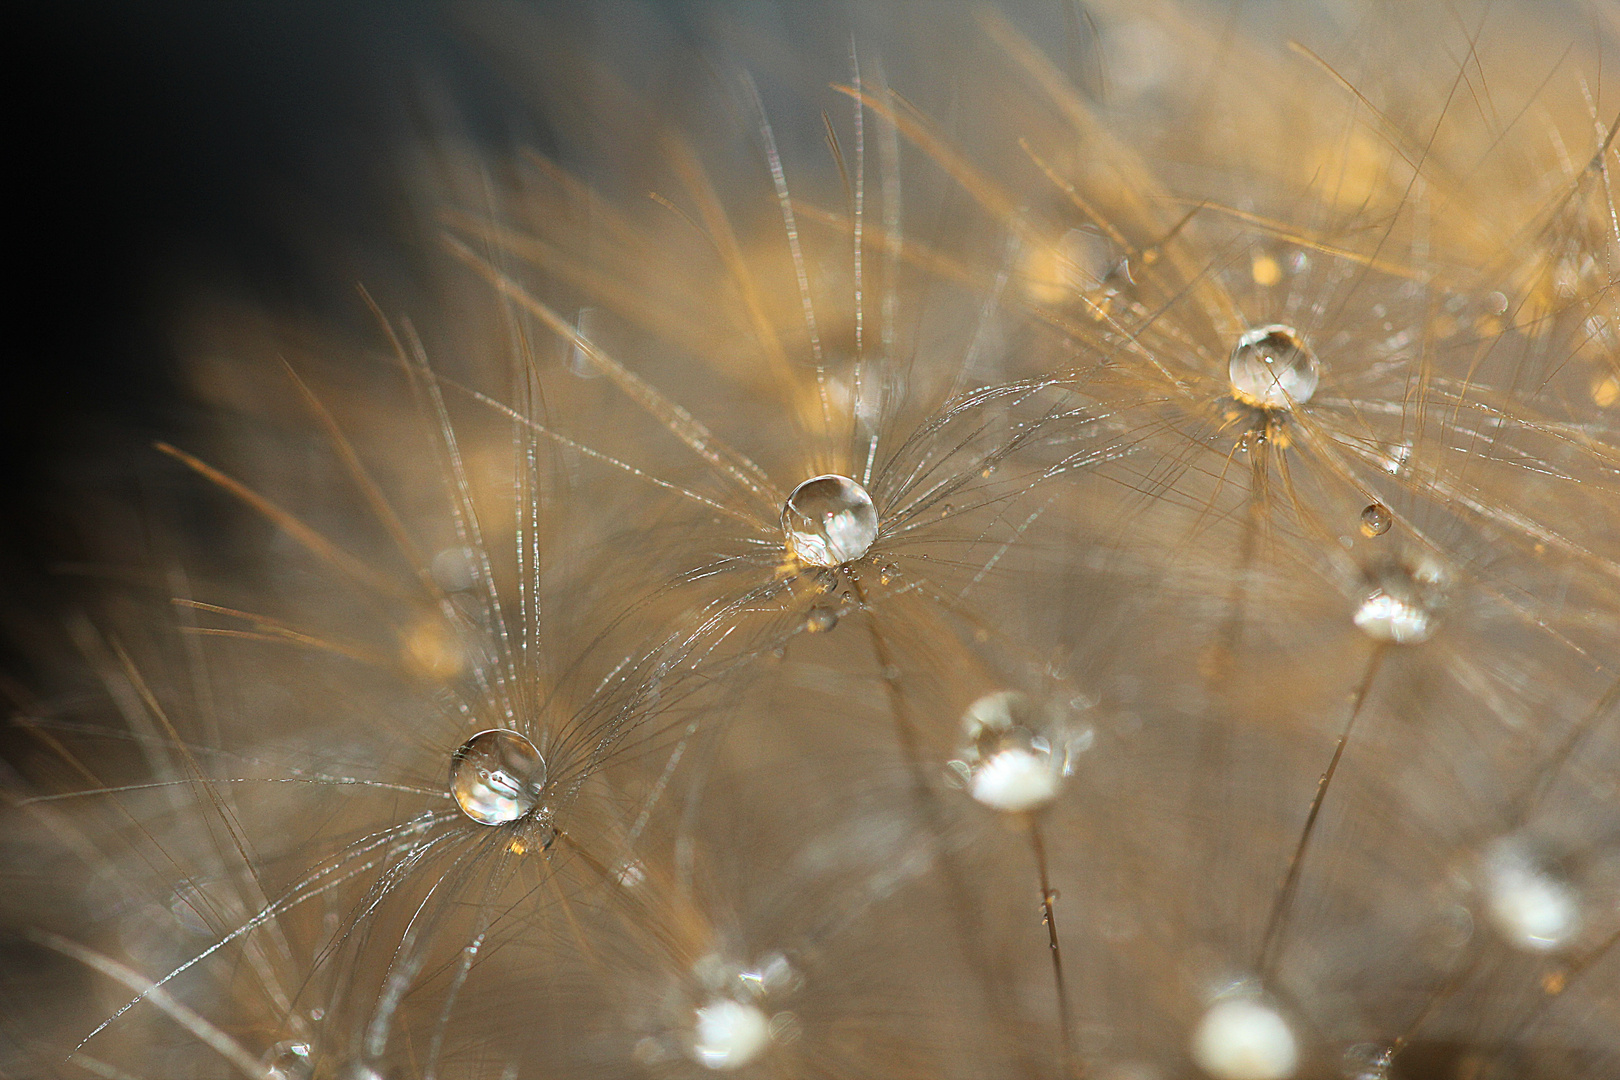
x: 496, y: 777
x: 829, y: 521
x: 1271, y: 368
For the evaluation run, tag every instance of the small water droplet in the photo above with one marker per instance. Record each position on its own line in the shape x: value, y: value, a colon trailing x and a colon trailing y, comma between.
x: 287, y: 1060
x: 887, y: 574
x: 1010, y: 765
x: 892, y: 673
x: 1272, y: 369
x: 1400, y: 601
x: 453, y: 569
x: 829, y: 521
x: 821, y: 619
x: 496, y: 776
x: 1376, y: 520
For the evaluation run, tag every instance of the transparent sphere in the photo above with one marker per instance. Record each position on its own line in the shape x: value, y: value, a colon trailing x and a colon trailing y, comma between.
x: 728, y: 1034
x: 1531, y: 907
x: 1244, y: 1040
x: 829, y: 521
x: 1271, y: 368
x: 1376, y: 520
x: 496, y: 776
x: 1401, y: 602
x: 1009, y: 764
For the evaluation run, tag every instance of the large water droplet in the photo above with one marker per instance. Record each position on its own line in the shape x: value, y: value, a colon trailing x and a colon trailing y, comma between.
x: 1271, y: 368
x: 496, y: 776
x: 1400, y: 602
x: 1240, y: 1039
x: 728, y: 1034
x: 1532, y: 907
x: 1009, y: 763
x: 829, y: 521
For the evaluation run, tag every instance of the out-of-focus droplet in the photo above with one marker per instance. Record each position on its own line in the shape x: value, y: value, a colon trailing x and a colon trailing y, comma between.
x: 829, y: 521
x: 287, y: 1060
x: 496, y: 776
x: 1239, y: 1039
x: 1009, y: 764
x: 821, y: 619
x: 1531, y: 907
x: 728, y: 1034
x: 1272, y: 369
x: 453, y: 569
x: 1376, y: 520
x: 1366, y: 1061
x: 431, y: 650
x: 1401, y: 599
x: 1264, y: 269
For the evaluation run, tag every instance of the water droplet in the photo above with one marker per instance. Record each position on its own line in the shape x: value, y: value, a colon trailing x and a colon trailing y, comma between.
x: 496, y: 776
x: 453, y: 569
x: 1376, y: 520
x: 728, y: 1034
x: 829, y: 521
x: 1533, y: 908
x: 1239, y: 1039
x: 287, y: 1060
x: 821, y: 619
x: 1271, y: 368
x: 1010, y: 765
x: 1366, y: 1061
x: 1400, y: 601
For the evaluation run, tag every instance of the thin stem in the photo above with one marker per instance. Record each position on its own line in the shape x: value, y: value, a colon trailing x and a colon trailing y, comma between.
x: 1071, y: 1065
x: 1285, y: 895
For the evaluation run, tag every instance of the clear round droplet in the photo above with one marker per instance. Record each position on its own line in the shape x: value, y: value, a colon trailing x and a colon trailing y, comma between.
x: 728, y: 1034
x: 1272, y: 369
x: 829, y: 521
x: 1376, y: 520
x: 1009, y: 764
x: 1239, y: 1039
x: 496, y: 776
x: 287, y: 1060
x: 1401, y: 600
x: 1531, y: 906
x: 821, y: 619
x: 1366, y: 1061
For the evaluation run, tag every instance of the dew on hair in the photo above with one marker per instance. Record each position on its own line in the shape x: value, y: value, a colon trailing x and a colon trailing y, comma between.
x: 1366, y: 1061
x: 1376, y: 520
x: 1009, y: 764
x: 1240, y: 1039
x: 1400, y: 601
x: 496, y: 776
x: 728, y: 1034
x: 822, y: 618
x: 1533, y: 908
x: 829, y: 521
x: 1272, y: 369
x: 289, y: 1060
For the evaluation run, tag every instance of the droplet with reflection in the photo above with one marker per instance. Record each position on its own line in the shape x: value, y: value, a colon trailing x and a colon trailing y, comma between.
x: 1271, y: 368
x: 1243, y: 1039
x: 829, y: 521
x: 1401, y: 600
x: 728, y: 1034
x: 1376, y: 520
x: 1009, y: 763
x: 496, y: 776
x: 1531, y: 906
